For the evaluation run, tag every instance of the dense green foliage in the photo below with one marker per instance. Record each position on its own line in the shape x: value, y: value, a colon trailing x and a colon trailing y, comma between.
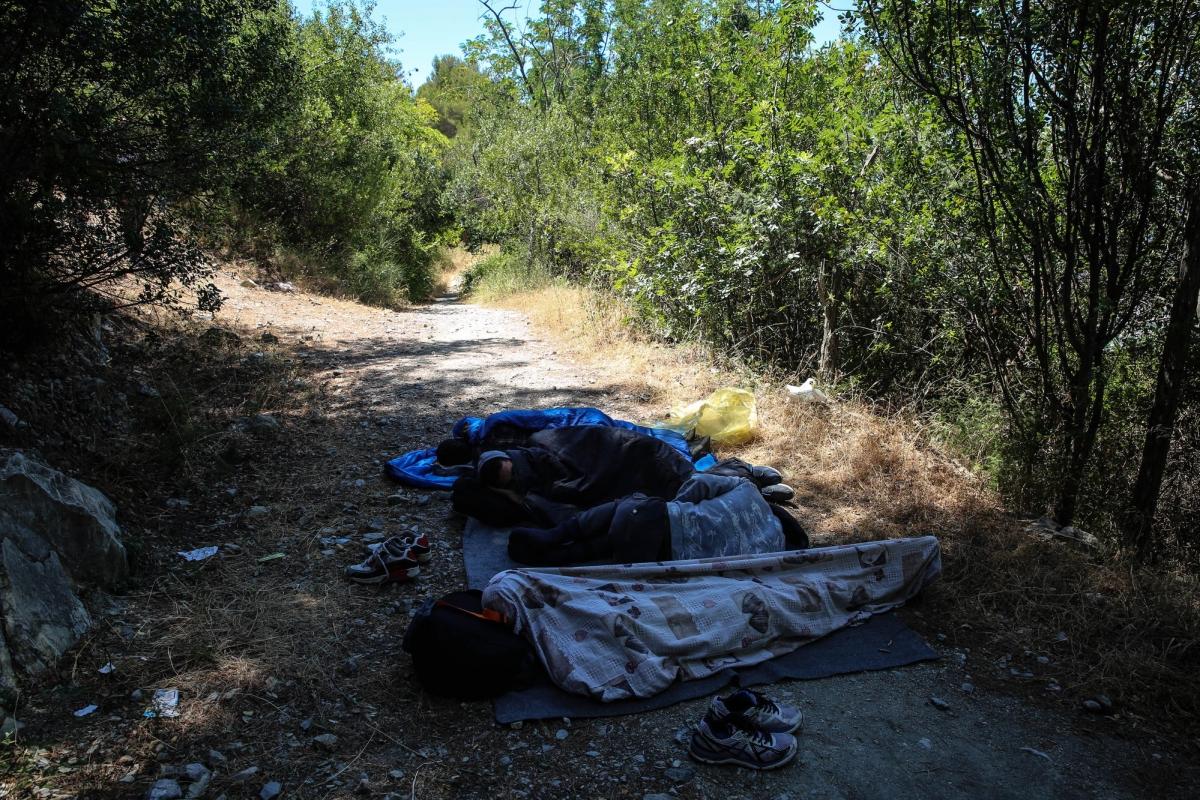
x: 110, y: 115
x: 352, y: 170
x: 824, y: 210
x: 973, y: 208
x: 122, y: 124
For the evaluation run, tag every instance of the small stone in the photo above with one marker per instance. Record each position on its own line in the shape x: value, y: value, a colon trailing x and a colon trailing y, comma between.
x: 10, y: 728
x: 164, y: 789
x: 373, y: 537
x: 255, y: 512
x: 939, y: 703
x: 679, y: 774
x: 421, y: 500
x: 270, y: 790
x: 244, y: 775
x: 397, y: 774
x: 326, y: 741
x: 395, y: 499
x: 128, y: 777
x: 1043, y: 660
x: 657, y: 796
x: 560, y: 734
x: 269, y: 338
x: 1105, y: 702
x: 505, y: 761
x: 1092, y: 707
x: 216, y: 758
x: 350, y: 666
x: 146, y: 390
x: 263, y: 423
x: 967, y: 688
x: 592, y: 754
x: 305, y: 724
x: 9, y: 418
x: 196, y: 771
x: 360, y: 484
x: 249, y: 283
x: 925, y: 744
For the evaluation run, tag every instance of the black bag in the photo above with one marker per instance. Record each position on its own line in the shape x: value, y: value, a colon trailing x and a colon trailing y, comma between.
x: 461, y: 650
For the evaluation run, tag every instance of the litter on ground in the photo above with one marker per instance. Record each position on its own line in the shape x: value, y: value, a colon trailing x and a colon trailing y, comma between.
x: 199, y: 554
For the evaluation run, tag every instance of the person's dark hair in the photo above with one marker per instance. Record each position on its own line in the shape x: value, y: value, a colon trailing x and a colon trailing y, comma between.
x: 489, y: 473
x: 452, y: 452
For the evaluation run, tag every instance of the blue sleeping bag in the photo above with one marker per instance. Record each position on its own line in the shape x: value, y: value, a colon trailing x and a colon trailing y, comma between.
x: 417, y: 468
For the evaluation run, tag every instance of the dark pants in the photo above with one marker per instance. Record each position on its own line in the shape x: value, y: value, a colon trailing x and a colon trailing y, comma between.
x: 630, y: 530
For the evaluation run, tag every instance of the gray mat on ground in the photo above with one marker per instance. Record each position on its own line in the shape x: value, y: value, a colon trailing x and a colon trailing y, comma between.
x: 881, y: 642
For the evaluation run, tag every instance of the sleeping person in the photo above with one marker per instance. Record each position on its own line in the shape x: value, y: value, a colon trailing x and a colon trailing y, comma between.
x: 564, y: 470
x: 710, y: 516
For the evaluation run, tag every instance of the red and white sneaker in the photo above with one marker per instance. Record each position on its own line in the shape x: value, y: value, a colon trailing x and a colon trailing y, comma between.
x: 384, y: 565
x: 417, y: 543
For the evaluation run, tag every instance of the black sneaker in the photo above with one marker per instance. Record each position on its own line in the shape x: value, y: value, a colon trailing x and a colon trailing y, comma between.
x: 778, y: 493
x: 734, y: 741
x: 765, y: 476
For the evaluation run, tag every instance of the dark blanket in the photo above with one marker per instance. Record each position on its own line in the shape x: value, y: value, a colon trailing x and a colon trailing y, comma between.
x: 588, y: 465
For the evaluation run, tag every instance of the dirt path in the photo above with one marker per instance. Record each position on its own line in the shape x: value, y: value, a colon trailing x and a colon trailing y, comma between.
x: 269, y: 655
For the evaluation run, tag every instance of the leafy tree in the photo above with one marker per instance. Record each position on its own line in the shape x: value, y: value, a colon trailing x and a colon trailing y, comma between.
x: 352, y: 175
x: 1072, y: 112
x: 113, y: 114
x: 452, y: 88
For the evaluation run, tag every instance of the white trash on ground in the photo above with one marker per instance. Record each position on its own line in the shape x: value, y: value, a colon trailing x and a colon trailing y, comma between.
x: 166, y: 702
x: 199, y: 554
x: 807, y: 392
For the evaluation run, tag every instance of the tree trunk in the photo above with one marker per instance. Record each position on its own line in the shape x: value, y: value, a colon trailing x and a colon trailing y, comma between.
x: 827, y: 288
x: 1139, y: 520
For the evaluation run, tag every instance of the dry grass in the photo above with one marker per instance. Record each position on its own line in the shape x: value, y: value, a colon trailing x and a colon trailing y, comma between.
x: 1046, y: 619
x: 452, y: 264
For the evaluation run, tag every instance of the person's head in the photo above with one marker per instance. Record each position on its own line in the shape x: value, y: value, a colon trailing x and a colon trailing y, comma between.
x: 494, y: 469
x: 452, y: 452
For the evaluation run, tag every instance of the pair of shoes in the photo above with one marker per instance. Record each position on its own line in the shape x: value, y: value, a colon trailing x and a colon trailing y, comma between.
x: 397, y: 560
x: 747, y: 729
x: 417, y: 542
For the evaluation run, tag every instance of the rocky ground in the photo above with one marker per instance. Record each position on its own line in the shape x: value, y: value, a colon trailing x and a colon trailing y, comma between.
x: 292, y: 682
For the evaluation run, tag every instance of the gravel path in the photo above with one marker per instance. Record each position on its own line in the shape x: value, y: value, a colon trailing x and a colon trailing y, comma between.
x: 309, y: 655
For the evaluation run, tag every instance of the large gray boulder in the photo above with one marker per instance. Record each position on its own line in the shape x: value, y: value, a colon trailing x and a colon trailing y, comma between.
x: 57, y: 536
x: 77, y: 521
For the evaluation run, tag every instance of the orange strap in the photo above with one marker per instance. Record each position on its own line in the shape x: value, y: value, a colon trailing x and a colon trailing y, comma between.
x: 488, y: 614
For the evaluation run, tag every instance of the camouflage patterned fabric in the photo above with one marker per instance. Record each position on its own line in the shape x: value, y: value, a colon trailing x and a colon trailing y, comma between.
x: 616, y: 632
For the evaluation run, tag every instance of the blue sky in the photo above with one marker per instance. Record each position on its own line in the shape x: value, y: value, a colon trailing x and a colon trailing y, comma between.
x: 428, y: 28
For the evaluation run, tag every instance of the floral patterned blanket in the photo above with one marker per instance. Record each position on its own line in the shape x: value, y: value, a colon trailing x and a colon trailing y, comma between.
x: 616, y: 632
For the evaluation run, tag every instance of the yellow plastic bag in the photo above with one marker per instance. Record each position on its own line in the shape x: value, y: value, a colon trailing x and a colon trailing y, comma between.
x: 728, y: 416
